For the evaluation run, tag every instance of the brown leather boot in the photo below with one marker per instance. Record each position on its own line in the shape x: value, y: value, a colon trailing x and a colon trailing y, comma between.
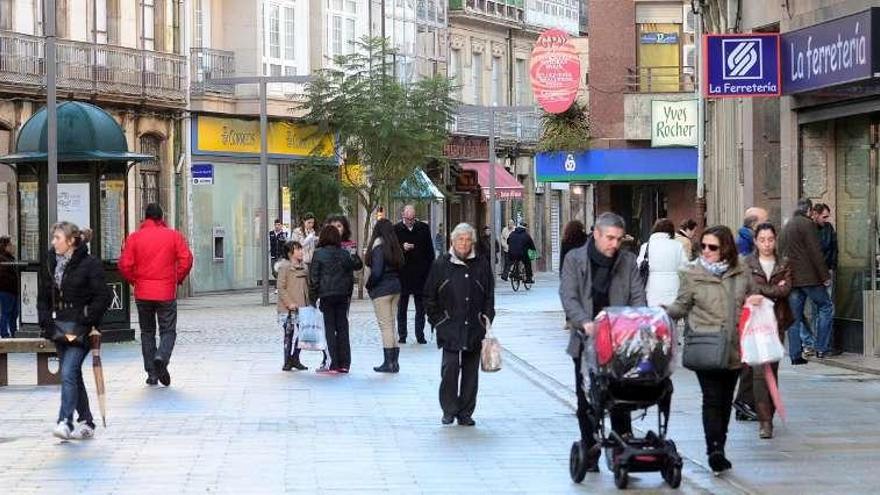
x: 765, y: 430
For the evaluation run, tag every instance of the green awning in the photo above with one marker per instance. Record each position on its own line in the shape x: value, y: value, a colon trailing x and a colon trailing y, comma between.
x: 86, y: 133
x: 419, y: 186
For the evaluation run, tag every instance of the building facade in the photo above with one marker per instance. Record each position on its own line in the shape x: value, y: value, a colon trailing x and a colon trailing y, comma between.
x: 125, y: 57
x: 639, y: 54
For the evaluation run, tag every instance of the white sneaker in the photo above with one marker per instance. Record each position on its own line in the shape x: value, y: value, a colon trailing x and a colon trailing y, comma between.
x: 83, y: 432
x: 62, y: 430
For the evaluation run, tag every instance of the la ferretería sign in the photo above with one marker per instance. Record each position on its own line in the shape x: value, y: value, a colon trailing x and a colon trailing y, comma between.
x: 835, y: 52
x: 741, y: 65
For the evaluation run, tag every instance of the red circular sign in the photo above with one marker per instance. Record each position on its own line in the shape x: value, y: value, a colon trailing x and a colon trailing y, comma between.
x: 555, y: 71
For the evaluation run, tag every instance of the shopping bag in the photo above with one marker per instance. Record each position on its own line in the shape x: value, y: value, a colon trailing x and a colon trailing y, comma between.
x: 533, y: 254
x: 759, y: 335
x: 311, y: 329
x: 490, y: 357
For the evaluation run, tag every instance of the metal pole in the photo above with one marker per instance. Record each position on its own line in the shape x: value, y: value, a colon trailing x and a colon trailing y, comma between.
x: 492, y: 189
x: 51, y: 115
x: 264, y: 192
x: 701, y: 107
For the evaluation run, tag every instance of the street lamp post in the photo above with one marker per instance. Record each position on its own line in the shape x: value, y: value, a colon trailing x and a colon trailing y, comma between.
x: 51, y: 114
x: 262, y: 81
x: 492, y: 110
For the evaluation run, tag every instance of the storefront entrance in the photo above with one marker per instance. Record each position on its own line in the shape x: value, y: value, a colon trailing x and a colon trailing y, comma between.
x: 839, y: 167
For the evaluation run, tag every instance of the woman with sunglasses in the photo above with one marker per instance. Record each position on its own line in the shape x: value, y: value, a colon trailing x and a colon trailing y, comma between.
x: 712, y: 292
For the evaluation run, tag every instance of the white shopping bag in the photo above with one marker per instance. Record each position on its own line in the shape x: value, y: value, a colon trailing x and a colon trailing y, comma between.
x: 759, y: 335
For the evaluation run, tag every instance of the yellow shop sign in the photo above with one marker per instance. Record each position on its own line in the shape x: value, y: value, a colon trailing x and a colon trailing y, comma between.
x: 225, y: 135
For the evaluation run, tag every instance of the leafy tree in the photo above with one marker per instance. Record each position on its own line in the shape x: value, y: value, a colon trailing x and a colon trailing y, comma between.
x: 566, y: 131
x: 384, y: 128
x: 315, y: 189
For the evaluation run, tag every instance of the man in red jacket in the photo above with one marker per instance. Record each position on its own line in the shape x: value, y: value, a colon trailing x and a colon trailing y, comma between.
x: 156, y: 259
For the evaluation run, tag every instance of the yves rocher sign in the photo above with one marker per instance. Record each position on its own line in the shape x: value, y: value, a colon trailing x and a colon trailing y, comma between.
x: 555, y: 71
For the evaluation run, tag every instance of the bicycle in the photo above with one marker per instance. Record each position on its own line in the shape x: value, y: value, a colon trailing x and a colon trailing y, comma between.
x: 517, y: 270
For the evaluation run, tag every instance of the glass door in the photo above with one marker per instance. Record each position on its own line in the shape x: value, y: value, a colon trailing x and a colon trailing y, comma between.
x: 872, y: 306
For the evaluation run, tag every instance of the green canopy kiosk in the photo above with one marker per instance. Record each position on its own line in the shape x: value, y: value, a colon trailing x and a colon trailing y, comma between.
x: 93, y: 164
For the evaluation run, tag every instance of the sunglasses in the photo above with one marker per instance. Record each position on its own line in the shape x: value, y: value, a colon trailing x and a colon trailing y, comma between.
x: 710, y: 247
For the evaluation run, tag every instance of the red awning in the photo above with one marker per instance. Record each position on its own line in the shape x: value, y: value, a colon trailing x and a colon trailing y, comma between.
x: 506, y: 185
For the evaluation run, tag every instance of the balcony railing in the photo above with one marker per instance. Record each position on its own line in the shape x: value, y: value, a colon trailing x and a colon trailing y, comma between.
x: 507, y: 10
x: 518, y: 126
x: 207, y: 63
x: 96, y: 69
x: 671, y: 79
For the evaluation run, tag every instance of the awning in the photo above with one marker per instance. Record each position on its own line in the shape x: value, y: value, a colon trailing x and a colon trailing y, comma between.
x: 506, y: 185
x: 419, y: 186
x: 639, y: 164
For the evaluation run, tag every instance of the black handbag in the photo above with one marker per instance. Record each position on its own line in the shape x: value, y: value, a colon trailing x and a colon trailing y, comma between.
x: 73, y: 336
x: 705, y: 351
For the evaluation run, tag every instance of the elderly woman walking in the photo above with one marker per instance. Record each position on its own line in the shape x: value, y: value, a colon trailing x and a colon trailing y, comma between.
x: 460, y: 302
x: 712, y: 293
x: 71, y: 300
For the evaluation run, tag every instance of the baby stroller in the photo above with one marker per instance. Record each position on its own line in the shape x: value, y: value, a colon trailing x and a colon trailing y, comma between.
x: 626, y: 366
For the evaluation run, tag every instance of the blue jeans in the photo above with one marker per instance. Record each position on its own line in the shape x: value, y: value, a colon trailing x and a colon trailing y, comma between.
x: 73, y: 389
x: 818, y: 294
x: 8, y: 314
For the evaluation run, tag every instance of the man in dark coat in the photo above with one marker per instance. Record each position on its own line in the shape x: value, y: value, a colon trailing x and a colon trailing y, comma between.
x: 595, y: 276
x: 519, y: 243
x: 810, y: 279
x: 460, y: 299
x: 418, y: 253
x: 277, y: 239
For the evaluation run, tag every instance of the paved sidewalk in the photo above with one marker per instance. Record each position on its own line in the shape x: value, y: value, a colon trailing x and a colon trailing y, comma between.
x: 830, y: 442
x: 232, y: 422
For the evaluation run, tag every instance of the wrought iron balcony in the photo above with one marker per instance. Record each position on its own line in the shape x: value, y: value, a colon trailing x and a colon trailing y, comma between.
x: 207, y: 63
x: 94, y: 69
x: 509, y: 11
x: 517, y: 126
x: 671, y: 79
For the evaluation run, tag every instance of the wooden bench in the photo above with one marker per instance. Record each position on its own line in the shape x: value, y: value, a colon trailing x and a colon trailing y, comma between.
x: 43, y: 348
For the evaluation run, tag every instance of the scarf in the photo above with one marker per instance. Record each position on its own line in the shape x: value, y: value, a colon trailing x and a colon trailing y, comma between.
x: 61, y: 261
x: 717, y: 268
x: 601, y: 269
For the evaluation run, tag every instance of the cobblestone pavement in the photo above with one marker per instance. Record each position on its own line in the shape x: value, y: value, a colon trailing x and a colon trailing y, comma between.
x: 232, y: 422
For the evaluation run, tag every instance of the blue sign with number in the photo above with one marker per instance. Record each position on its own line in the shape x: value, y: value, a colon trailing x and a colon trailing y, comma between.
x: 741, y: 65
x: 202, y: 173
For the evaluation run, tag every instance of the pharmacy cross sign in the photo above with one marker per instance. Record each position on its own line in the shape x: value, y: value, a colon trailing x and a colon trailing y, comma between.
x: 741, y: 65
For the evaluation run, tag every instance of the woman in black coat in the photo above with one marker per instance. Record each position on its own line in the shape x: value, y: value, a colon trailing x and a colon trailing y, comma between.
x: 72, y: 299
x: 385, y: 260
x: 573, y: 237
x: 460, y: 302
x: 331, y: 282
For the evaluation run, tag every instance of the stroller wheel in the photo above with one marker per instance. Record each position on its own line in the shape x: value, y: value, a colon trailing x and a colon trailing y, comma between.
x: 621, y: 477
x: 577, y: 462
x: 672, y: 473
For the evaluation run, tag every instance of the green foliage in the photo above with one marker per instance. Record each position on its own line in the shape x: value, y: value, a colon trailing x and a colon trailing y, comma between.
x: 315, y: 188
x: 387, y: 127
x: 567, y: 131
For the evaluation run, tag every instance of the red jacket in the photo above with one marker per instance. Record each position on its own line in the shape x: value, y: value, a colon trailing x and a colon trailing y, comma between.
x: 155, y: 259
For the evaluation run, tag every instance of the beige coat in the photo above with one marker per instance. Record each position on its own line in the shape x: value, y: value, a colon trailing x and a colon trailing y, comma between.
x: 705, y: 299
x: 293, y: 286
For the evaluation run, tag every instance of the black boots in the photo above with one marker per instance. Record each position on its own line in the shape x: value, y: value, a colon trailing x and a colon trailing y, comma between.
x: 395, y: 364
x: 390, y: 364
x: 291, y: 355
x: 718, y: 462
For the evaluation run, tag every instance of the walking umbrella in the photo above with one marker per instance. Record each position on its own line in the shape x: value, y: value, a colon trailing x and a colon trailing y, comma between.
x: 98, y: 369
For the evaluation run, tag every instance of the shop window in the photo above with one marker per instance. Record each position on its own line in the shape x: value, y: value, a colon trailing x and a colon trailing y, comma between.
x: 6, y: 14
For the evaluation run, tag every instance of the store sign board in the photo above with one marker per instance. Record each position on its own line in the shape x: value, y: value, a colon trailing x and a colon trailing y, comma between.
x: 555, y: 71
x: 659, y: 38
x: 466, y: 148
x: 741, y: 65
x: 202, y: 174
x: 835, y: 52
x: 622, y: 164
x: 673, y: 123
x: 242, y: 136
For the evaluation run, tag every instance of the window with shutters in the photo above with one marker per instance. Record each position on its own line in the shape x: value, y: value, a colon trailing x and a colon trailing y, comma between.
x: 148, y: 185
